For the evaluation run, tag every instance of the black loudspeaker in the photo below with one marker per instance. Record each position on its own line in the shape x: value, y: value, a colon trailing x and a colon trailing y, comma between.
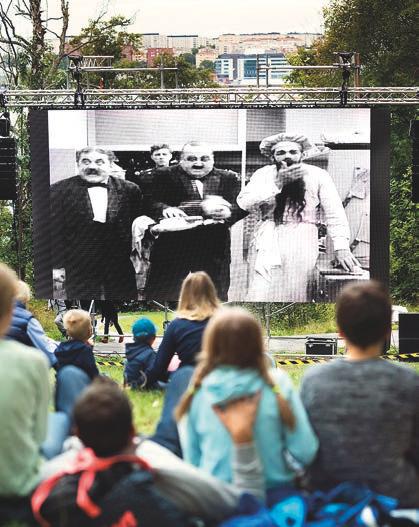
x: 414, y: 134
x: 321, y: 346
x: 7, y: 168
x: 408, y: 333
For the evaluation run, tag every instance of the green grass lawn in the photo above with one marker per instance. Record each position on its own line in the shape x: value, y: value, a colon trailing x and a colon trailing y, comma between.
x: 127, y: 319
x: 147, y: 405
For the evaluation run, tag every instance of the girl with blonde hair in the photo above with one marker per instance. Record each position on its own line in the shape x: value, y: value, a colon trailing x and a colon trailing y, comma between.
x: 197, y: 303
x: 233, y: 365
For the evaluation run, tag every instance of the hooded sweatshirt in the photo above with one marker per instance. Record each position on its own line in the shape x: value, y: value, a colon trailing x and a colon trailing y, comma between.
x: 207, y: 444
x: 77, y: 353
x: 140, y: 357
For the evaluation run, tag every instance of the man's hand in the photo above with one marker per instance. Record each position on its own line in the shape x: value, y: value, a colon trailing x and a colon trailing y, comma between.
x: 238, y: 416
x: 216, y: 207
x: 173, y: 212
x: 288, y: 174
x: 219, y: 212
x: 345, y: 259
x: 58, y: 275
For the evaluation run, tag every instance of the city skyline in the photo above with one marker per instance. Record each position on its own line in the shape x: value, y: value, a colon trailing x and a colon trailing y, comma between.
x: 209, y: 19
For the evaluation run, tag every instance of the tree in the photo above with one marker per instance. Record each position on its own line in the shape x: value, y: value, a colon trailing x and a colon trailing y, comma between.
x: 28, y: 62
x: 384, y: 33
x: 207, y: 65
x: 106, y: 37
x: 189, y: 57
x: 188, y: 75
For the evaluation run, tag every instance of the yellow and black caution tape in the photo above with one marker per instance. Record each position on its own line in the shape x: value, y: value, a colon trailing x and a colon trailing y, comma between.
x: 109, y: 360
x: 414, y: 357
x: 109, y: 363
x: 297, y: 361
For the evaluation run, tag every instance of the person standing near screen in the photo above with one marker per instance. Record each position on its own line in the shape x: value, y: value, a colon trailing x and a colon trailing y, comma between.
x: 195, y: 188
x: 161, y: 155
x: 91, y: 219
x: 289, y: 194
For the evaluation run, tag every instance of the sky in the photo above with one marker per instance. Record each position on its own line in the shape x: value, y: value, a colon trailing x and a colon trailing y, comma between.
x: 203, y: 17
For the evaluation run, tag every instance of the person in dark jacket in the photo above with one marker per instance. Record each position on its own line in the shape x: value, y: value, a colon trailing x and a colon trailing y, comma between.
x: 26, y: 329
x: 161, y: 154
x: 77, y: 351
x: 91, y: 218
x: 197, y: 302
x: 195, y: 188
x: 140, y: 354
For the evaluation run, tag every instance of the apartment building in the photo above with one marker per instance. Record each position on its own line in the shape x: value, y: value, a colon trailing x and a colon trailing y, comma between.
x: 238, y: 69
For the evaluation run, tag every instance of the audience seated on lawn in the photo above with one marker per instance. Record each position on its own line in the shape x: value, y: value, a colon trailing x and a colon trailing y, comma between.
x: 152, y: 488
x: 77, y: 351
x: 25, y: 422
x: 233, y: 365
x: 139, y: 354
x: 365, y: 410
x: 24, y: 399
x: 197, y: 303
x: 25, y: 328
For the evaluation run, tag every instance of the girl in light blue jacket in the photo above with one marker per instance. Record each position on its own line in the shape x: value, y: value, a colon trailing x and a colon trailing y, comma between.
x: 233, y: 365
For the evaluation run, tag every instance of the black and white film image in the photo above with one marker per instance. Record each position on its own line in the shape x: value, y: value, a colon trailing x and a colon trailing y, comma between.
x: 272, y: 203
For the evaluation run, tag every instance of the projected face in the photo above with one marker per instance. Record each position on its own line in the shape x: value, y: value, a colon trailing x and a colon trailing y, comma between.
x: 197, y: 161
x: 286, y: 152
x: 94, y: 167
x: 161, y: 157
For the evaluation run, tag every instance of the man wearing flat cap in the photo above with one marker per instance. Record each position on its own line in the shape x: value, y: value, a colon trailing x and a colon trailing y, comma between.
x: 290, y: 195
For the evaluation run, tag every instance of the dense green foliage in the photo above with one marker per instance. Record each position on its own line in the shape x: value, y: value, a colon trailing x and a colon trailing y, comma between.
x: 106, y: 37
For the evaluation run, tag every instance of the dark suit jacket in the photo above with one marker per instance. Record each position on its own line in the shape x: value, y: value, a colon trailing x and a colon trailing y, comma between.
x: 172, y: 187
x: 95, y: 256
x: 205, y: 248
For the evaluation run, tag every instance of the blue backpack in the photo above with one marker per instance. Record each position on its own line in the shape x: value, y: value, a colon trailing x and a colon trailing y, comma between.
x: 347, y: 505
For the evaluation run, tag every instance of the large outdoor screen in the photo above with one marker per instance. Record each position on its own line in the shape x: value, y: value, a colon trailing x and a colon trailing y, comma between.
x: 276, y: 205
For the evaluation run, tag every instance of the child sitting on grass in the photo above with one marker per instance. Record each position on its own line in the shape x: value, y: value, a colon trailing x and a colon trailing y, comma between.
x: 140, y: 354
x: 106, y: 484
x: 77, y: 351
x: 233, y: 365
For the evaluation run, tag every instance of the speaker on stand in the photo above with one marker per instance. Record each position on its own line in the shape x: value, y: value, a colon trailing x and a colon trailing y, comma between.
x: 414, y: 134
x: 7, y: 160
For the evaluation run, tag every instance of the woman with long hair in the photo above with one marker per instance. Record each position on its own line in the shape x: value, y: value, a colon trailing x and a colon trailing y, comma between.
x: 233, y: 365
x: 197, y: 302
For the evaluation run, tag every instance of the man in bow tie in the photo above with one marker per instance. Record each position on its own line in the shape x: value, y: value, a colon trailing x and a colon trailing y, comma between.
x: 194, y: 187
x: 91, y: 215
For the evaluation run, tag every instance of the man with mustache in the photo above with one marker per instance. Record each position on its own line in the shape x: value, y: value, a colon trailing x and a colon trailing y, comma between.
x: 290, y: 194
x: 91, y: 218
x: 195, y: 188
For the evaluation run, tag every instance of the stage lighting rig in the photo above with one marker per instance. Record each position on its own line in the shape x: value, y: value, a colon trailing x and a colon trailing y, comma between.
x: 76, y: 70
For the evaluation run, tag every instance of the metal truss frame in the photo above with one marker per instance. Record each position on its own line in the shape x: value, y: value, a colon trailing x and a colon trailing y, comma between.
x: 212, y: 98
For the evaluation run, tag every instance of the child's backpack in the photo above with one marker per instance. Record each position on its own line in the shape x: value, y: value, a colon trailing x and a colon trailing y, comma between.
x: 118, y: 491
